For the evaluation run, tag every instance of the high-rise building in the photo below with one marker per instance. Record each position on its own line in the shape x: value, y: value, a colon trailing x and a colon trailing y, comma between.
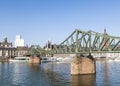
x: 19, y: 42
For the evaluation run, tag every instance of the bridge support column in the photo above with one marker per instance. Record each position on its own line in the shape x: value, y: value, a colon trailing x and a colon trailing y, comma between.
x: 83, y: 65
x: 34, y: 59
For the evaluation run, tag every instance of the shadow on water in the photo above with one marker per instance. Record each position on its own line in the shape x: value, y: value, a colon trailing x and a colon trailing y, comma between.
x: 83, y: 80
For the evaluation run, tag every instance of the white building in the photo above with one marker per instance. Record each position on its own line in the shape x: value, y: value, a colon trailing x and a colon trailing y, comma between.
x: 19, y: 42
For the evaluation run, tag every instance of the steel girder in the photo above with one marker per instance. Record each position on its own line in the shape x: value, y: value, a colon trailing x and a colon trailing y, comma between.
x: 87, y: 42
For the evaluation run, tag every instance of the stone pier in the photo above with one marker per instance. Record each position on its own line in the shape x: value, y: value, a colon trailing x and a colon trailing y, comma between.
x: 34, y: 59
x: 83, y: 65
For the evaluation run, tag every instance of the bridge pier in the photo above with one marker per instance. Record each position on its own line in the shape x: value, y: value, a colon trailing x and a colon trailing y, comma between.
x: 34, y: 59
x: 83, y: 65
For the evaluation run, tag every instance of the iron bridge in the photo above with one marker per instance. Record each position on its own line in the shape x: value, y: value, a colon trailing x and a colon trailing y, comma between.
x: 87, y: 42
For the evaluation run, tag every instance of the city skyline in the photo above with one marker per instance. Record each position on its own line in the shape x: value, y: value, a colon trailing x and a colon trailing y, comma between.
x: 37, y: 21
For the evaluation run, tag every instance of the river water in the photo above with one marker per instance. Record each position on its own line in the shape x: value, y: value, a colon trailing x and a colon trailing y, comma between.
x: 58, y: 74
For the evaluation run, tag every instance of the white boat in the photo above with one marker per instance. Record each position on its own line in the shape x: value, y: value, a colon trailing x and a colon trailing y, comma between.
x: 19, y: 59
x: 48, y: 59
x: 16, y: 60
x: 59, y: 59
x: 117, y: 59
x: 56, y: 59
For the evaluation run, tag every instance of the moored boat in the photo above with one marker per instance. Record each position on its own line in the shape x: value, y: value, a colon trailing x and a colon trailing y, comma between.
x: 19, y: 59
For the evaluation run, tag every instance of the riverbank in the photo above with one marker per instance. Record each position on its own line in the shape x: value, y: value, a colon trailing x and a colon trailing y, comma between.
x: 4, y: 60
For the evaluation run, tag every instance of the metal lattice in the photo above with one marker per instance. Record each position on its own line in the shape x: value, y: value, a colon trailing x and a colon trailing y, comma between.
x: 88, y: 42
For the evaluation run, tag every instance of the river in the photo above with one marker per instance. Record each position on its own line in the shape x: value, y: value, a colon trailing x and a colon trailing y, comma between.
x: 58, y: 74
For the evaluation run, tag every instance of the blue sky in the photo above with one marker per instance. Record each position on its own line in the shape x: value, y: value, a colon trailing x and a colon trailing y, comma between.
x: 39, y: 20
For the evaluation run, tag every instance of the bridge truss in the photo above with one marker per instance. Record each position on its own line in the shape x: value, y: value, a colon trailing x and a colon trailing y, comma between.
x: 87, y: 42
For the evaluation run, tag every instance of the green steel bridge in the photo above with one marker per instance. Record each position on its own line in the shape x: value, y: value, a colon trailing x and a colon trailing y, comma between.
x: 81, y: 42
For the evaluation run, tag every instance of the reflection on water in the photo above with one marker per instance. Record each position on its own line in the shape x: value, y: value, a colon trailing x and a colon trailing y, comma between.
x: 108, y: 73
x: 83, y: 80
x: 57, y: 74
x: 34, y: 66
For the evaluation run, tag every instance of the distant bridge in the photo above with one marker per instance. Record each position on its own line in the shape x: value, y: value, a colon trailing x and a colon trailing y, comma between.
x: 81, y: 42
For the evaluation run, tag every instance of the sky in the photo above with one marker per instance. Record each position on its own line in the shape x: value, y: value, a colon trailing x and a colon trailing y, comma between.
x: 38, y: 21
